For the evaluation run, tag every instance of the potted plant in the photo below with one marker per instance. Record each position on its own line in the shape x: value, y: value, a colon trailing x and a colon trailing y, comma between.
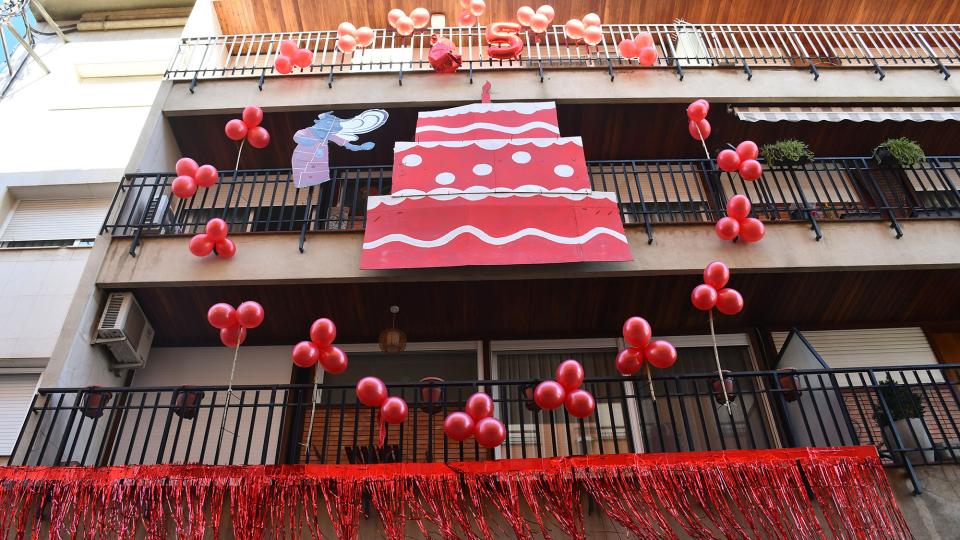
x: 906, y: 413
x: 94, y: 401
x: 526, y: 392
x: 431, y: 395
x: 787, y: 152
x: 187, y: 402
x: 789, y: 384
x: 901, y: 152
x: 718, y: 390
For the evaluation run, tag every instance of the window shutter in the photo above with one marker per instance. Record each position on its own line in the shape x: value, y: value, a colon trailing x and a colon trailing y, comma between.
x: 868, y: 347
x: 55, y: 219
x: 16, y: 391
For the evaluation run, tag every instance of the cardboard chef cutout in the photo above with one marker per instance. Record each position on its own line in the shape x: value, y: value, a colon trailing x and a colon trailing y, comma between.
x: 311, y: 157
x: 491, y: 184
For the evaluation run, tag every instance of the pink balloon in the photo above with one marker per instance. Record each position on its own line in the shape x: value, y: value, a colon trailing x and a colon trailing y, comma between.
x: 547, y: 11
x: 394, y: 410
x: 643, y: 39
x: 288, y: 47
x: 186, y: 167
x: 333, y: 359
x: 258, y: 137
x: 235, y: 129
x: 751, y: 230
x: 747, y: 150
x: 226, y: 249
x: 630, y: 360
x: 346, y: 29
x: 696, y: 111
x: 648, y: 57
x: 305, y: 354
x: 728, y: 228
x: 548, y: 395
x: 477, y: 7
x: 524, y: 14
x: 661, y: 354
x: 347, y: 44
x: 250, y: 314
x: 303, y: 58
x: 750, y: 170
x: 206, y: 176
x: 591, y: 19
x: 637, y: 332
x: 490, y: 433
x: 569, y: 374
x: 729, y: 302
x: 365, y: 36
x: 703, y: 297
x: 479, y: 406
x: 699, y: 130
x: 738, y: 207
x: 539, y: 23
x: 371, y: 391
x: 716, y: 275
x: 252, y: 116
x: 201, y: 245
x: 580, y: 403
x: 459, y: 426
x: 728, y: 160
x: 323, y: 332
x: 628, y: 49
x: 394, y: 15
x: 222, y: 316
x: 184, y: 187
x: 592, y: 35
x: 574, y: 29
x: 466, y: 18
x: 217, y: 229
x: 420, y: 17
x: 404, y: 26
x: 233, y: 337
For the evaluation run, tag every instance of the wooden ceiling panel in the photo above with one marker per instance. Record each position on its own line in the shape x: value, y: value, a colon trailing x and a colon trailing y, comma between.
x: 253, y: 16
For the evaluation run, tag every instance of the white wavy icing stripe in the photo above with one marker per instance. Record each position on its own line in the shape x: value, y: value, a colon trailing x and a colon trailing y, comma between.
x: 491, y: 127
x: 522, y: 108
x: 489, y: 144
x: 495, y: 240
x: 477, y: 193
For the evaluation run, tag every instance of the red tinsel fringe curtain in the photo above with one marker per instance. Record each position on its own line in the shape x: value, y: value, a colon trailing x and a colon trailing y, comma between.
x: 736, y: 494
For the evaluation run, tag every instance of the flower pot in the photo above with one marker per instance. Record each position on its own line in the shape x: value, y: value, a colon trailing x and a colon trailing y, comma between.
x: 791, y: 163
x: 718, y: 388
x: 187, y: 403
x: 528, y: 401
x: 913, y: 434
x: 885, y: 158
x: 94, y: 401
x: 789, y: 384
x: 431, y: 396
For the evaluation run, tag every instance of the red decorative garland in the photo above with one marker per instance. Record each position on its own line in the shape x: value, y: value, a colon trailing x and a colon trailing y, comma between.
x: 733, y: 494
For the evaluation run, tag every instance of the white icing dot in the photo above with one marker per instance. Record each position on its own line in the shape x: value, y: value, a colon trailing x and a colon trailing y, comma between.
x: 565, y: 171
x: 445, y: 178
x: 412, y: 160
x: 521, y: 157
x: 482, y: 169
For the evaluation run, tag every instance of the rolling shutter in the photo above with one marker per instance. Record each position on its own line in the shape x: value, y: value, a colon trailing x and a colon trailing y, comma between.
x: 868, y: 347
x: 16, y: 391
x: 55, y: 219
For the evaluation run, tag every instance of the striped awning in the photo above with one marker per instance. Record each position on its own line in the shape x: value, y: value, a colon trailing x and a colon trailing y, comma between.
x: 840, y: 113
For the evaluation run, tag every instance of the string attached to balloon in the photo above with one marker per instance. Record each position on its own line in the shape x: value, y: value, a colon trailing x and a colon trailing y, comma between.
x: 319, y: 349
x: 637, y: 333
x: 714, y: 293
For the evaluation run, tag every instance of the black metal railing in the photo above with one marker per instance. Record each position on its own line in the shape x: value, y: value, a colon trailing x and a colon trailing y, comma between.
x: 909, y: 413
x: 650, y: 193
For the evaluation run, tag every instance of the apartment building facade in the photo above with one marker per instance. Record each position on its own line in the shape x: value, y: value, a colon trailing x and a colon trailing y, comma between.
x: 843, y: 355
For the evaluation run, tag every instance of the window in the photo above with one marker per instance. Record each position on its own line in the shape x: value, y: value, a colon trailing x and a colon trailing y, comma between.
x: 15, y: 394
x: 54, y: 223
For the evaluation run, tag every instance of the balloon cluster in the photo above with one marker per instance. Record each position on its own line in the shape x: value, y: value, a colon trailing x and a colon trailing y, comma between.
x: 538, y: 20
x: 320, y: 348
x: 190, y: 176
x: 640, y: 47
x: 714, y: 293
x: 349, y: 37
x: 736, y: 223
x: 292, y: 55
x: 476, y: 421
x: 565, y: 390
x: 637, y: 333
x: 405, y: 24
x: 743, y: 160
x: 698, y: 125
x: 233, y: 323
x: 214, y: 238
x: 372, y: 392
x: 471, y: 10
x: 249, y: 128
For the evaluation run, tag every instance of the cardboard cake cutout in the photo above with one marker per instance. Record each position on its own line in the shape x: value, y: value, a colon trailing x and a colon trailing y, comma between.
x: 311, y: 157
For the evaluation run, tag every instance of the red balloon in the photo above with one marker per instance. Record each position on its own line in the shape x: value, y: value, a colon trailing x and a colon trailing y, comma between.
x: 751, y: 230
x: 569, y: 374
x: 704, y: 297
x: 696, y: 111
x: 186, y: 167
x: 729, y: 301
x: 283, y: 64
x: 288, y: 47
x: 728, y: 228
x: 630, y: 360
x: 226, y: 249
x: 580, y: 403
x: 250, y: 314
x: 738, y: 207
x: 201, y: 245
x: 333, y: 359
x: 704, y: 132
x: 323, y: 332
x: 394, y: 410
x: 371, y: 391
x: 233, y: 336
x: 728, y: 160
x: 459, y: 426
x: 235, y: 129
x: 637, y: 332
x: 701, y: 100
x: 206, y: 176
x: 258, y: 137
x: 252, y: 116
x: 305, y: 354
x: 747, y: 150
x: 303, y: 58
x: 217, y: 229
x: 661, y: 354
x: 490, y: 432
x: 549, y: 395
x: 716, y: 274
x: 648, y: 57
x: 750, y: 170
x: 479, y: 406
x: 627, y: 48
x: 222, y: 316
x: 184, y: 187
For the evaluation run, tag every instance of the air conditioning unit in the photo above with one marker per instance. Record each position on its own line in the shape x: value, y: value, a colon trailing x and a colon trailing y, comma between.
x: 125, y: 330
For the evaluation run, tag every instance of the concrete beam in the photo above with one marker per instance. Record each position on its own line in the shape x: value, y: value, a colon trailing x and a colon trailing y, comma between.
x: 677, y: 249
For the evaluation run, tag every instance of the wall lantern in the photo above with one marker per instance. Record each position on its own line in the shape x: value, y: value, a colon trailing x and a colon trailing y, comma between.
x: 393, y: 340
